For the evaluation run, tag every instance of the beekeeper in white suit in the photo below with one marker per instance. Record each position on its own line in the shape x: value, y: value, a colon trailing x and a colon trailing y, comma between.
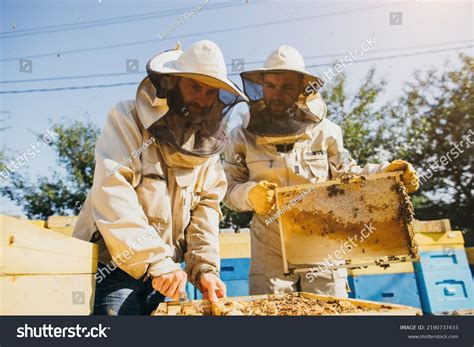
x: 158, y: 182
x: 287, y: 140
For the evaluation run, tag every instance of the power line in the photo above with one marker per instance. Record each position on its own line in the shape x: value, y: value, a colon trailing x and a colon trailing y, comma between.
x: 231, y: 74
x: 134, y: 43
x: 114, y: 74
x: 104, y: 21
x: 372, y: 51
x: 68, y: 88
x: 399, y: 55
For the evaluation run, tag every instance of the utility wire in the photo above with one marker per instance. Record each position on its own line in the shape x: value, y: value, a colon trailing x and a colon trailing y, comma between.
x: 210, y: 32
x: 113, y: 74
x: 231, y: 74
x: 105, y: 21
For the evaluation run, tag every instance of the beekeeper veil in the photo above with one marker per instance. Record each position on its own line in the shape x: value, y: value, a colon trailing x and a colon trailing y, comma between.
x: 298, y: 109
x: 188, y: 128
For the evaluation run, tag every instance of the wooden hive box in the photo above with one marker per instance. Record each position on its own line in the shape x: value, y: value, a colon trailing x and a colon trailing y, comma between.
x: 235, y: 245
x: 204, y: 307
x: 360, y: 221
x: 439, y: 240
x: 43, y: 272
x: 37, y: 222
x: 62, y: 224
x: 432, y: 226
x: 395, y: 268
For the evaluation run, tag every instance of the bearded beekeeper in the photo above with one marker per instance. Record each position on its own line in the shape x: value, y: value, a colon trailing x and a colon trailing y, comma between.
x: 287, y: 140
x: 158, y: 182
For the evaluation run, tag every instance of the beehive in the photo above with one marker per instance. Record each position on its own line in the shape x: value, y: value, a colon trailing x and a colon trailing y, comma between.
x: 283, y: 304
x: 62, y: 224
x: 428, y: 241
x: 443, y: 274
x: 43, y: 272
x: 432, y: 226
x: 235, y: 245
x: 38, y: 222
x: 358, y: 221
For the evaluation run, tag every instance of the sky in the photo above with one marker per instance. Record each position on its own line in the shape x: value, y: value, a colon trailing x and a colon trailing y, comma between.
x: 74, y: 60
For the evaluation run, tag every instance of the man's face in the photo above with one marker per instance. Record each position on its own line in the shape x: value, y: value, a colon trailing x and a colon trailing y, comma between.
x: 197, y: 97
x: 281, y: 90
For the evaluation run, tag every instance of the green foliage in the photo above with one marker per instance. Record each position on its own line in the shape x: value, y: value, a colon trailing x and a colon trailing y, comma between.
x: 75, y: 148
x: 59, y: 194
x: 233, y: 219
x: 437, y: 111
x: 362, y: 123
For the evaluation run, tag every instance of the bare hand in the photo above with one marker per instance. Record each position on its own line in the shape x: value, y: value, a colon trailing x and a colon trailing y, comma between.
x: 171, y: 284
x: 212, y: 287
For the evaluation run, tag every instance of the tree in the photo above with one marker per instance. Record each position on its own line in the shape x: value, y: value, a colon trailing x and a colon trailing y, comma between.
x: 233, y: 219
x: 59, y: 194
x: 436, y: 114
x: 362, y: 122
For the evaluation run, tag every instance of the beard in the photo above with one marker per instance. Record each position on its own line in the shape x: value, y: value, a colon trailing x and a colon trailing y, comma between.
x: 191, y: 111
x: 279, y: 110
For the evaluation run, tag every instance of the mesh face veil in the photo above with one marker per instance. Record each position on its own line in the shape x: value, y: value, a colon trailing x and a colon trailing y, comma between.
x: 195, y: 133
x: 305, y: 110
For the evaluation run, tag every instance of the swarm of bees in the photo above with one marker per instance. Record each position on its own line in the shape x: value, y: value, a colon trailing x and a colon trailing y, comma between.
x: 290, y: 304
x: 407, y: 211
x: 191, y: 310
x: 334, y: 191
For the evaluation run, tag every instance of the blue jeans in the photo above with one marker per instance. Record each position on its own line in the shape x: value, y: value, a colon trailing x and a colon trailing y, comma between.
x: 118, y: 293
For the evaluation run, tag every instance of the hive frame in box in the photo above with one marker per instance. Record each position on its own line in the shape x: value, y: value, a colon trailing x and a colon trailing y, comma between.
x: 174, y: 308
x: 299, y: 254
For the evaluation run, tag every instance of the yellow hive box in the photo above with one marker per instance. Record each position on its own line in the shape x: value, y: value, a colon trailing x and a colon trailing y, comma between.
x: 28, y: 249
x: 438, y: 241
x: 43, y: 268
x: 362, y: 221
x: 373, y: 308
x: 38, y: 222
x: 234, y: 245
x: 47, y: 294
x: 432, y: 226
x: 62, y: 224
x: 395, y: 268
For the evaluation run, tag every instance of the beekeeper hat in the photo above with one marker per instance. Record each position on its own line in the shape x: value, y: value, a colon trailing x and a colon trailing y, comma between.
x: 202, y: 61
x: 306, y: 111
x: 284, y: 58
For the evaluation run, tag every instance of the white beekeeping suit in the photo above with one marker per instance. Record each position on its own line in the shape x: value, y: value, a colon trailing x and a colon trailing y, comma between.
x: 300, y: 147
x: 158, y: 184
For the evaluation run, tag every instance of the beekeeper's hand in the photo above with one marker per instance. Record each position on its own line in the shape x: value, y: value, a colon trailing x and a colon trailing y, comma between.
x: 262, y: 197
x: 171, y: 284
x: 212, y: 287
x: 410, y: 177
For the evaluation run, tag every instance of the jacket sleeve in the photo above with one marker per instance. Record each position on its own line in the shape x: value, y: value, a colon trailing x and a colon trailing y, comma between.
x: 133, y: 244
x: 340, y: 160
x: 237, y: 173
x: 202, y: 233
